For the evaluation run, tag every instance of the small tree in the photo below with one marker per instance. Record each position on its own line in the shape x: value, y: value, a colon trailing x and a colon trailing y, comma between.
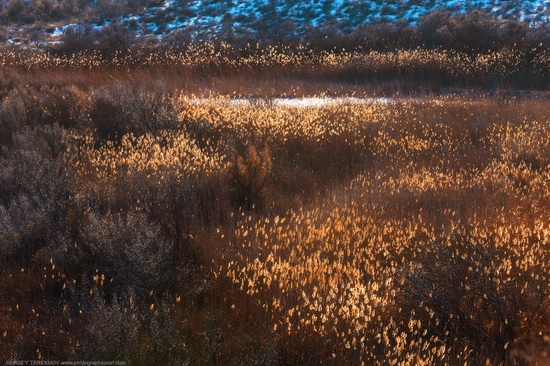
x: 251, y: 172
x: 76, y: 38
x: 113, y: 39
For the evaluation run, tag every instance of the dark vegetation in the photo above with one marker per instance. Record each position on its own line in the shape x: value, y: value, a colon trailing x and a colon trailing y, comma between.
x: 472, y: 32
x: 36, y: 11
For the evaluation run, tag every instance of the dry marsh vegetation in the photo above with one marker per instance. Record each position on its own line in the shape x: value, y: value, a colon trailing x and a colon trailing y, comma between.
x: 403, y: 69
x: 148, y: 225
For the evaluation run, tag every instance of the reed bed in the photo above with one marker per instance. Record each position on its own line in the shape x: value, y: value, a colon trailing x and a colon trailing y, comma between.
x: 503, y: 68
x: 406, y: 231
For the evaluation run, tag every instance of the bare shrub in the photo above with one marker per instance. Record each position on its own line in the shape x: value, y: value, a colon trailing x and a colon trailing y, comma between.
x: 121, y: 109
x: 8, y: 82
x: 113, y: 40
x: 130, y: 249
x: 34, y: 192
x: 76, y: 38
x: 133, y: 331
x: 251, y: 171
x: 24, y: 226
x: 32, y: 107
x: 467, y: 282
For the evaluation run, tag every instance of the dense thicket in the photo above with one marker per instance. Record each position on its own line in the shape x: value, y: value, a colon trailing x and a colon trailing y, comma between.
x: 156, y: 228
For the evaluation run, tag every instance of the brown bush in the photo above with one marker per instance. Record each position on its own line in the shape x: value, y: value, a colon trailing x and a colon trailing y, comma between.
x: 121, y: 109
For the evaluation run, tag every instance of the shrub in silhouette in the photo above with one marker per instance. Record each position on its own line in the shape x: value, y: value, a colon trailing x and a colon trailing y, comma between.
x: 121, y: 109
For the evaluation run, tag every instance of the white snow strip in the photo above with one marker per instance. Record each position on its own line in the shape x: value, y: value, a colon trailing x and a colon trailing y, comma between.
x: 311, y: 102
x: 319, y: 102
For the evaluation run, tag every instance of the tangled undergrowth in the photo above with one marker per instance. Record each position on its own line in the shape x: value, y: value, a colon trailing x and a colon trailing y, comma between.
x: 210, y: 231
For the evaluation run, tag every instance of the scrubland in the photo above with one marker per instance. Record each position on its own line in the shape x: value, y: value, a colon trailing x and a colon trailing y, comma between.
x: 141, y: 222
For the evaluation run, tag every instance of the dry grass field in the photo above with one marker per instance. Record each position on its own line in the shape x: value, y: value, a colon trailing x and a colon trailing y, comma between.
x: 278, y: 70
x: 143, y: 223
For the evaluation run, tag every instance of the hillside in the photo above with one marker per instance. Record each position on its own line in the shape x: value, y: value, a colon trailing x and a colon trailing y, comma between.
x: 35, y: 21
